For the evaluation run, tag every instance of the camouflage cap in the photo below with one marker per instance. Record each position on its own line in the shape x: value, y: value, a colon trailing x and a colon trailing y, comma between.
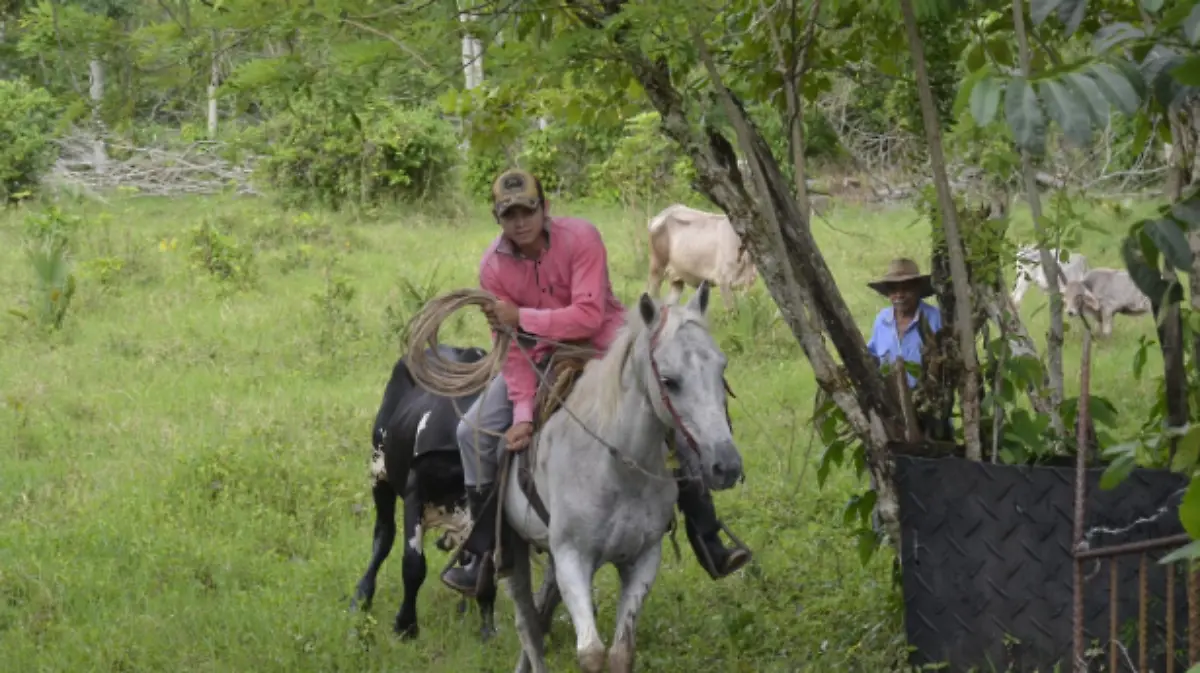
x: 515, y: 187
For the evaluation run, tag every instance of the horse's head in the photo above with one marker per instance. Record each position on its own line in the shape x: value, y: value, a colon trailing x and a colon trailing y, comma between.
x: 687, y: 386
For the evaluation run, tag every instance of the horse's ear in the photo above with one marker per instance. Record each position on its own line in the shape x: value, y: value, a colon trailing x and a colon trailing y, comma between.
x: 699, y: 301
x: 648, y: 309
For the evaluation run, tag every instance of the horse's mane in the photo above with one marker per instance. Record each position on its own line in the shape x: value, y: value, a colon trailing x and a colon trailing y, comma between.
x: 596, y: 395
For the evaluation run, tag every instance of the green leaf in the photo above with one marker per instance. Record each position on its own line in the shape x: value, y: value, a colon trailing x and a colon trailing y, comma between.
x: 1024, y: 115
x: 1145, y: 275
x: 1040, y: 9
x: 1187, y: 72
x: 868, y: 540
x: 1152, y: 5
x: 985, y: 100
x: 1187, y: 451
x: 1139, y: 359
x: 1189, y: 509
x: 1089, y: 94
x: 1114, y: 34
x: 1116, y: 87
x: 1068, y: 112
x: 1117, y: 471
x: 1188, y: 551
x: 1187, y: 212
x: 1191, y: 25
x: 1143, y: 127
x: 1171, y: 242
x: 975, y: 57
x: 1071, y: 13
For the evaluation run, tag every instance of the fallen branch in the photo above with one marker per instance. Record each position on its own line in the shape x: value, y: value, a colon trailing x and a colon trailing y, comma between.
x: 195, y: 168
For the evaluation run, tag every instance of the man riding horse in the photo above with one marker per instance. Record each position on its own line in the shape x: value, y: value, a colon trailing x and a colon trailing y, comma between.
x: 550, y: 278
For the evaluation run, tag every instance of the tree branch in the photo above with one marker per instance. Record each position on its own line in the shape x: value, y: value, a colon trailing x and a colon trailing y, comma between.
x: 963, y: 324
x: 403, y: 47
x: 1054, y: 337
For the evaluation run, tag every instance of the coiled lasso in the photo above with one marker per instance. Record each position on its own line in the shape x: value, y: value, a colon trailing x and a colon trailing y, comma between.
x: 437, y: 374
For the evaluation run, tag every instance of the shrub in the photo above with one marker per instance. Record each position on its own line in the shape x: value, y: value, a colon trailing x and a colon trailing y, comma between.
x: 323, y: 154
x: 27, y: 119
x: 643, y: 163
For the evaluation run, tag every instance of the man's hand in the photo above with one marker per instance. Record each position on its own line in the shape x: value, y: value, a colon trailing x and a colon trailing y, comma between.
x: 505, y: 314
x: 518, y: 436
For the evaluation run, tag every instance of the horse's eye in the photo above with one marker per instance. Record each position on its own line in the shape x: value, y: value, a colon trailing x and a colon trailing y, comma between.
x: 669, y: 383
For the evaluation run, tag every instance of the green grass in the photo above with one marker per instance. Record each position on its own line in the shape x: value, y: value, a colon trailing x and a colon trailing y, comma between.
x: 183, y: 467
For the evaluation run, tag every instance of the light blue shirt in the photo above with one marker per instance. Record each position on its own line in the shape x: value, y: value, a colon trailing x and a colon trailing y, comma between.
x: 885, y: 344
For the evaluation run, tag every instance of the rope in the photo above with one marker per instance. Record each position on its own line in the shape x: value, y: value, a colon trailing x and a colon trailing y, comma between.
x: 437, y: 374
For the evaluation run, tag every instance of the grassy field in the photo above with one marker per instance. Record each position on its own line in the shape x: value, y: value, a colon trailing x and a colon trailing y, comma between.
x: 183, y: 466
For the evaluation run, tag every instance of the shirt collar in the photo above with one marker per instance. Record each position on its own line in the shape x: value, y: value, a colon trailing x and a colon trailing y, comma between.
x: 506, y: 247
x: 889, y: 313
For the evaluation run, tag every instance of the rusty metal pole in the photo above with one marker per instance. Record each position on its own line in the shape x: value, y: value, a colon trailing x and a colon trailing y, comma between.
x: 1083, y: 421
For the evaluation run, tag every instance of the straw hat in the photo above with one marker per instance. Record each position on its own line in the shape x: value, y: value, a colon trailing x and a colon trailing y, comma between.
x: 899, y: 271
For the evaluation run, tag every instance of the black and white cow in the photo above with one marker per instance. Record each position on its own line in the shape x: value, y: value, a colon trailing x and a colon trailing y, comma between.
x: 415, y: 444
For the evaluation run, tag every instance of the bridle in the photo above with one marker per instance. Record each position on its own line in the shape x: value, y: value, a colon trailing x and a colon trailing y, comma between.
x: 662, y: 390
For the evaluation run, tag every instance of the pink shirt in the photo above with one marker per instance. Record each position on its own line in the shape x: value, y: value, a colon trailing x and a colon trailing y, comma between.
x: 565, y: 295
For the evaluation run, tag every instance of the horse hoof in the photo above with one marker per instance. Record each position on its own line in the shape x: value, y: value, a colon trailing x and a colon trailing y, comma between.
x: 592, y: 661
x: 486, y: 634
x: 620, y: 660
x: 462, y: 606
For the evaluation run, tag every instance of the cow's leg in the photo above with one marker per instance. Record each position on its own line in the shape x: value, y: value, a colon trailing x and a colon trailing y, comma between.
x: 414, y: 565
x: 381, y: 546
x: 676, y: 291
x: 657, y: 274
x: 727, y: 298
x: 1106, y: 320
x: 1021, y: 287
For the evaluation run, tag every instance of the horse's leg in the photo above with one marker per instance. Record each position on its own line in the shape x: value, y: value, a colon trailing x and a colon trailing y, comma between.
x: 520, y: 588
x: 574, y: 576
x: 381, y: 546
x: 414, y: 565
x: 636, y: 579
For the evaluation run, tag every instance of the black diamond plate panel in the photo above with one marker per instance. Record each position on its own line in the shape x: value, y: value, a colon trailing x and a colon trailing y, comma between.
x: 988, y: 572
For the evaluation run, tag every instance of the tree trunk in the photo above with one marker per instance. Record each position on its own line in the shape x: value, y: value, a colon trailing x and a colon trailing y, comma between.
x: 958, y: 265
x: 472, y: 52
x: 1054, y: 337
x: 793, y: 71
x: 214, y: 81
x: 96, y: 93
x: 770, y: 223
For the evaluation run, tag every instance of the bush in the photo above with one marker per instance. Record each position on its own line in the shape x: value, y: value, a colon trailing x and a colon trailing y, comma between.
x: 27, y: 119
x: 642, y: 165
x: 323, y: 154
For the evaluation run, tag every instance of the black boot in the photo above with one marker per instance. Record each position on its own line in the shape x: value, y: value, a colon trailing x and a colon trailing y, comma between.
x: 703, y: 530
x: 468, y: 579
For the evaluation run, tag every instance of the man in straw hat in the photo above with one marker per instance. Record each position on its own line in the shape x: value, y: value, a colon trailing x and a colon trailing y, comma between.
x: 550, y: 276
x: 895, y: 331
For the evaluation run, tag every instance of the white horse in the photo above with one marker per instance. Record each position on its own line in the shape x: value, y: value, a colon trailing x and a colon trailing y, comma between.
x: 601, y: 468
